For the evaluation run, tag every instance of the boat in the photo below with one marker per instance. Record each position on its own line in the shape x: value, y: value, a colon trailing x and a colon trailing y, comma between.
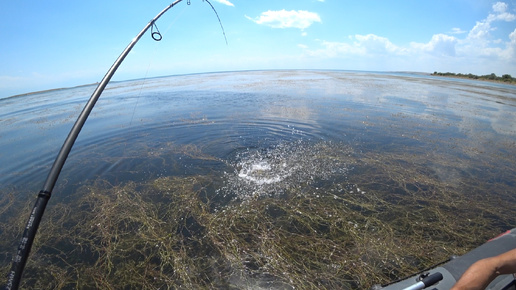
x: 444, y: 276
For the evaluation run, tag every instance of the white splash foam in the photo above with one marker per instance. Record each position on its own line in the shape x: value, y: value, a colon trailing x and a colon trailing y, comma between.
x: 284, y: 167
x: 262, y: 173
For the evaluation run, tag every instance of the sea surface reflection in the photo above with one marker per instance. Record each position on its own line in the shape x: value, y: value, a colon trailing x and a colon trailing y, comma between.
x: 283, y: 179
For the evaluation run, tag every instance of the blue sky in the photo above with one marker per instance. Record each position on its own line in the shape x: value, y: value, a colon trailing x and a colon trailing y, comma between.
x: 56, y: 43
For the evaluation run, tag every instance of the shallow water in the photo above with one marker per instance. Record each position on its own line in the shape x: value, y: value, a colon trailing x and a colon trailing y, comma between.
x: 263, y: 135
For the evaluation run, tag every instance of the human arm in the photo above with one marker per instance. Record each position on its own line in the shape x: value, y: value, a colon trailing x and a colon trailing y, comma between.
x: 484, y: 271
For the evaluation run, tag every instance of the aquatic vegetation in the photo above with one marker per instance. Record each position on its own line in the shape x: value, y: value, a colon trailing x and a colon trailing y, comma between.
x: 288, y: 179
x: 357, y: 219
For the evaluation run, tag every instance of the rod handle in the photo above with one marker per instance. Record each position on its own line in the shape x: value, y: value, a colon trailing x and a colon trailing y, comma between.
x: 432, y: 279
x: 426, y: 282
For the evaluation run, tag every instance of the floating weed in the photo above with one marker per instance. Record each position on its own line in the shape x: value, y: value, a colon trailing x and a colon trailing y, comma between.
x: 390, y: 215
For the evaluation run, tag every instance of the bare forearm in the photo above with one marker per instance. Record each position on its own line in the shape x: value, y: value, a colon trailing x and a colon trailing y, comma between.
x: 478, y: 276
x: 481, y: 273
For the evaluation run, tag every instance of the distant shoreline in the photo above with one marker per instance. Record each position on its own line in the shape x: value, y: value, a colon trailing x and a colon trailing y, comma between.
x: 50, y: 90
x: 504, y: 79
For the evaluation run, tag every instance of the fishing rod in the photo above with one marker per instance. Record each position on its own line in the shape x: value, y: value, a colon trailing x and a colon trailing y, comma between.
x: 19, y: 261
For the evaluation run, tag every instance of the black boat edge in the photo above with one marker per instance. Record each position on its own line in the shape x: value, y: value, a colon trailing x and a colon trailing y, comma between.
x: 452, y: 270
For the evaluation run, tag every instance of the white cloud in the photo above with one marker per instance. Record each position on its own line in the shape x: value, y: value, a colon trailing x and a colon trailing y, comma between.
x: 376, y: 44
x: 457, y: 30
x: 225, y: 2
x: 480, y: 44
x: 440, y: 45
x: 482, y: 28
x: 475, y: 52
x: 286, y: 19
x: 337, y: 49
x: 500, y: 9
x: 362, y: 45
x: 510, y: 52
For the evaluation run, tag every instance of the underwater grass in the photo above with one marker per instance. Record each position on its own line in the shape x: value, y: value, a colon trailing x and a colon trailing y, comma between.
x: 394, y: 214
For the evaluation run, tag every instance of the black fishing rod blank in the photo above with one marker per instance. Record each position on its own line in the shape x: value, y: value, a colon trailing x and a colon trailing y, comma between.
x: 19, y: 261
x: 426, y: 282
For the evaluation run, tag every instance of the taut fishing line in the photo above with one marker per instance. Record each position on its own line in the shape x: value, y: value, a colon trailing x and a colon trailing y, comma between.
x: 161, y: 35
x: 20, y: 259
x: 157, y: 36
x: 152, y: 58
x: 220, y: 22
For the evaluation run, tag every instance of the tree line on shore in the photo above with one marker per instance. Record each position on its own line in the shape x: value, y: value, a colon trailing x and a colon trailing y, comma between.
x: 506, y: 78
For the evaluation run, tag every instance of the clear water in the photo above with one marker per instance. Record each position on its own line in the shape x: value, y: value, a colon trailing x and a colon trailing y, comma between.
x: 263, y: 133
x: 226, y: 114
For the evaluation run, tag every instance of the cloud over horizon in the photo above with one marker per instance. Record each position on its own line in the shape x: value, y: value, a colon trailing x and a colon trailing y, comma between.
x: 300, y: 19
x: 474, y: 46
x: 225, y: 2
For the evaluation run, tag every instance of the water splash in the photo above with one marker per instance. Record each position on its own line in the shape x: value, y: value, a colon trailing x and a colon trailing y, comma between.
x: 262, y: 172
x: 285, y: 167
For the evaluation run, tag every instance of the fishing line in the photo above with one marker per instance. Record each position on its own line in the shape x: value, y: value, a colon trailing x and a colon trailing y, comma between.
x: 180, y: 14
x: 158, y: 36
x: 220, y: 22
x: 153, y: 57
